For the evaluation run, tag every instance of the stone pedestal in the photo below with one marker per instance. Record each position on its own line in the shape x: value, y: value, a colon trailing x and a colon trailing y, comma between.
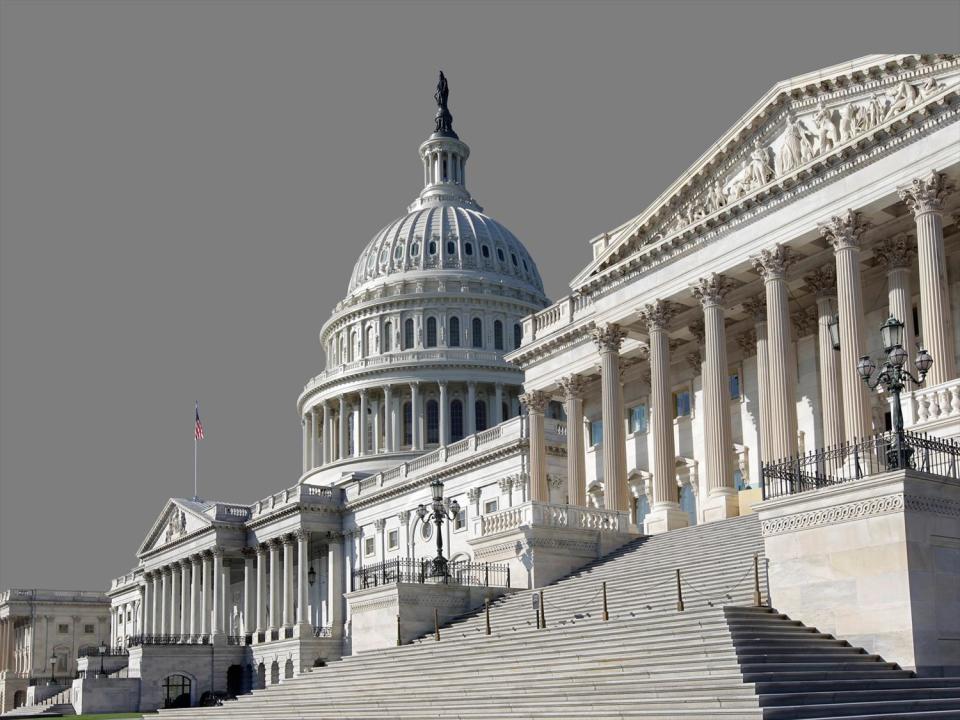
x: 720, y: 504
x: 660, y: 520
x: 875, y: 561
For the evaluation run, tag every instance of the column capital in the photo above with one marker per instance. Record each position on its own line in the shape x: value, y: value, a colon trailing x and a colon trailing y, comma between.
x: 404, y: 516
x: 217, y: 552
x: 248, y: 553
x: 572, y: 386
x: 287, y: 539
x: 845, y: 230
x: 926, y: 193
x: 747, y: 342
x: 363, y: 393
x: 379, y: 524
x: 658, y: 315
x: 773, y: 263
x: 196, y: 559
x: 535, y: 400
x: 695, y: 360
x: 896, y: 251
x: 609, y: 337
x: 275, y: 543
x: 261, y: 549
x: 698, y: 328
x: 822, y: 281
x: 166, y: 571
x: 756, y: 307
x: 712, y: 289
x: 805, y: 321
x: 473, y: 495
x: 301, y: 534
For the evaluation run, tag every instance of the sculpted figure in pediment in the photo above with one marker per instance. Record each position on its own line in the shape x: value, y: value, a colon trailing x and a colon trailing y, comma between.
x: 849, y: 122
x: 902, y: 98
x: 929, y: 87
x: 759, y: 170
x: 826, y: 131
x: 873, y: 113
x: 715, y: 197
x: 796, y: 148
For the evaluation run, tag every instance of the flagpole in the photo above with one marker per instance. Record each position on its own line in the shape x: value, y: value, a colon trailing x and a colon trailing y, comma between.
x: 195, y: 496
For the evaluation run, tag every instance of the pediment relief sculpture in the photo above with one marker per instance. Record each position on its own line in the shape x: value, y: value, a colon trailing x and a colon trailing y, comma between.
x: 176, y: 526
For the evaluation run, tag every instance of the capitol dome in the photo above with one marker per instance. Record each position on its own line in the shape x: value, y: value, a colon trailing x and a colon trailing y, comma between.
x: 415, y: 351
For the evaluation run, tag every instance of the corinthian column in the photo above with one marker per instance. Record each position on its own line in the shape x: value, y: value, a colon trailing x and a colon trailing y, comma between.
x: 925, y: 197
x: 361, y: 444
x: 772, y: 266
x: 275, y: 583
x: 844, y: 233
x: 822, y: 282
x: 616, y: 494
x: 261, y: 588
x: 572, y: 387
x: 196, y: 594
x: 164, y: 624
x: 757, y: 308
x: 721, y: 501
x: 536, y: 402
x: 175, y: 600
x: 249, y: 592
x: 327, y: 434
x: 444, y: 422
x: 303, y: 565
x: 665, y: 514
x: 216, y: 624
x: 287, y: 581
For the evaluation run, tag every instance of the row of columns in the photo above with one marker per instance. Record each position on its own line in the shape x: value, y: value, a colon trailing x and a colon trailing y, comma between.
x: 124, y: 622
x: 328, y: 426
x: 10, y: 663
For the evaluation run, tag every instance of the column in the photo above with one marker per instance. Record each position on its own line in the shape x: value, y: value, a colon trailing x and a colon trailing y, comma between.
x: 498, y: 404
x: 388, y: 440
x: 184, y: 629
x: 249, y: 591
x: 823, y: 283
x: 335, y: 582
x: 772, y: 266
x: 444, y: 421
x: 316, y: 447
x: 205, y: 592
x: 304, y: 423
x: 377, y: 428
x: 216, y: 623
x: 665, y: 513
x: 327, y: 435
x: 261, y: 588
x: 844, y: 233
x: 757, y: 308
x: 471, y: 410
x: 721, y: 501
x: 536, y: 402
x: 288, y: 570
x: 276, y: 580
x: 342, y: 423
x: 361, y: 443
x: 175, y: 599
x: 147, y: 623
x: 196, y: 595
x: 303, y: 583
x: 415, y: 415
x: 572, y: 387
x: 925, y: 197
x: 164, y: 624
x: 615, y: 491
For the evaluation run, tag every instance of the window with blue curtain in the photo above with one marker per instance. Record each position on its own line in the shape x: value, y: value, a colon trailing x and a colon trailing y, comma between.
x: 407, y: 424
x: 517, y: 335
x: 688, y: 503
x: 387, y: 336
x: 638, y: 418
x: 596, y: 432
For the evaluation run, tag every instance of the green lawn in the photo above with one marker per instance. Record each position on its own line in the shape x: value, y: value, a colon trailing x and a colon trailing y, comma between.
x: 111, y: 716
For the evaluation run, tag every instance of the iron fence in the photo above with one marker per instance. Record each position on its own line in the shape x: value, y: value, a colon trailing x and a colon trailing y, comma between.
x: 137, y: 640
x: 850, y: 461
x: 94, y: 651
x: 405, y: 570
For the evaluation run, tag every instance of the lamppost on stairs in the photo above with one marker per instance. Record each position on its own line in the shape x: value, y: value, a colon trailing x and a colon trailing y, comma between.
x: 440, y: 509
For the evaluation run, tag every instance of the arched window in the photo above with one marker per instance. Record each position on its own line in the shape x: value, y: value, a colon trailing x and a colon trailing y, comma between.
x: 407, y: 424
x: 354, y: 346
x: 497, y: 335
x: 408, y: 334
x: 454, y: 339
x: 451, y: 247
x: 517, y: 335
x: 431, y: 332
x: 176, y: 691
x: 433, y: 421
x: 387, y: 336
x: 485, y: 250
x: 477, y: 332
x: 432, y: 247
x: 500, y: 254
x: 371, y: 347
x: 468, y: 248
x: 480, y: 415
x: 456, y: 420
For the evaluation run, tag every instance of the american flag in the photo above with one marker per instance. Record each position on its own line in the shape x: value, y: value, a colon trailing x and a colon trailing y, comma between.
x: 199, y: 426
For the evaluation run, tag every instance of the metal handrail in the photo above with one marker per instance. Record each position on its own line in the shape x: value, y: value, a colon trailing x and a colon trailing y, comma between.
x: 406, y: 570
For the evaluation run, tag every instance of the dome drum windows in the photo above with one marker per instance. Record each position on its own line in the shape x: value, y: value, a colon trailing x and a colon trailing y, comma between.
x: 497, y: 335
x: 477, y: 332
x: 431, y: 332
x: 408, y: 334
x: 454, y: 335
x: 451, y: 247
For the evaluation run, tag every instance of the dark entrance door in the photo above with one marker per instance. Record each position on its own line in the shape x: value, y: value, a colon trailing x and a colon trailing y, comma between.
x: 234, y: 680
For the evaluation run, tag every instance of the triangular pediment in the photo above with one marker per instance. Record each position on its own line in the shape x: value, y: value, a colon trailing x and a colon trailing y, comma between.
x: 797, y: 124
x: 179, y: 519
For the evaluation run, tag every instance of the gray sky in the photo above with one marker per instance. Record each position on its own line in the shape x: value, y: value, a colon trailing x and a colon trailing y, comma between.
x: 184, y: 188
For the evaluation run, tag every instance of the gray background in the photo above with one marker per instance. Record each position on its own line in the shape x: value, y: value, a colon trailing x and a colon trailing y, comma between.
x: 184, y: 188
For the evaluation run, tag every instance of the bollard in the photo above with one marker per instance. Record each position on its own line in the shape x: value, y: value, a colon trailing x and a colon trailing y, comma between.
x: 486, y: 607
x: 398, y: 630
x: 757, y: 600
x: 606, y: 615
x: 436, y: 625
x: 679, y: 593
x: 543, y: 613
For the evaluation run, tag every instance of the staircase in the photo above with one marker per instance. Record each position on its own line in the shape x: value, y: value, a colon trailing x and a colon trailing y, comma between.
x: 718, y: 658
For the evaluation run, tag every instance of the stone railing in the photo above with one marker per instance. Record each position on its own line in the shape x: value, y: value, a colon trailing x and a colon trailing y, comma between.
x: 563, y: 312
x: 934, y: 406
x: 123, y: 580
x: 313, y: 494
x: 551, y: 515
x: 23, y: 595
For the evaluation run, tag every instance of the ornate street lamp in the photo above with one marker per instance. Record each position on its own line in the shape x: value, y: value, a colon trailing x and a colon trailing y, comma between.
x: 102, y: 649
x: 440, y: 510
x: 834, y: 327
x: 312, y: 576
x: 53, y: 665
x: 893, y: 377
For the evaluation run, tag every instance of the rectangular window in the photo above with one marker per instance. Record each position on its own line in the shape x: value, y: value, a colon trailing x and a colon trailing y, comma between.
x: 129, y: 616
x: 735, y: 386
x: 681, y: 404
x: 393, y: 539
x: 490, y: 506
x: 596, y: 432
x: 638, y: 418
x: 63, y: 628
x: 460, y: 521
x: 368, y: 546
x: 89, y: 629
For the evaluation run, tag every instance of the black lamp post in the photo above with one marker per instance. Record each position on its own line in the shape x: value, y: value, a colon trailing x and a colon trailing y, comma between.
x: 441, y: 509
x: 102, y: 649
x: 312, y: 576
x: 893, y: 377
x: 53, y: 665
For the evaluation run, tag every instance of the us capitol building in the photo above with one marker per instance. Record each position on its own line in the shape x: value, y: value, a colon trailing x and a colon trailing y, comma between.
x: 467, y: 434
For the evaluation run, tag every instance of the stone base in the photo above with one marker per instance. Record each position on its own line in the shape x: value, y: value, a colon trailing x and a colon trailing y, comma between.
x: 9, y: 687
x: 665, y: 518
x: 374, y: 611
x: 721, y: 503
x: 875, y: 561
x: 106, y: 695
x: 205, y: 665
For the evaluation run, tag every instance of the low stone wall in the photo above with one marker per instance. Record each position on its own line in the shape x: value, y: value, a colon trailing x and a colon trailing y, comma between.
x: 39, y: 693
x: 106, y: 695
x: 90, y: 666
x: 205, y: 665
x: 874, y: 561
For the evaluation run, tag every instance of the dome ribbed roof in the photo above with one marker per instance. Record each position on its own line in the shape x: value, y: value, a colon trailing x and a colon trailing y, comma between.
x: 444, y: 237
